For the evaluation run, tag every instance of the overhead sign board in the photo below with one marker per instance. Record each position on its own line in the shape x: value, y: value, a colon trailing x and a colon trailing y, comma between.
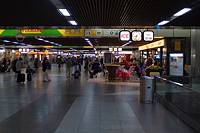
x: 124, y: 35
x: 148, y: 36
x: 43, y: 32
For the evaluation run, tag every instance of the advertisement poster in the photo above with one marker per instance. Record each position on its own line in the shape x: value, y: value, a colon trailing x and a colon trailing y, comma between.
x: 107, y: 58
x: 176, y: 64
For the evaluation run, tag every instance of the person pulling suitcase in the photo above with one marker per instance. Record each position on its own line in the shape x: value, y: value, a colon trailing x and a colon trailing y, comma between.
x: 19, y: 66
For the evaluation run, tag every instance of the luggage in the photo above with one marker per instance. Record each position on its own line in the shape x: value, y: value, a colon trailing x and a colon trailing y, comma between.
x: 91, y: 74
x: 21, y: 78
x: 77, y: 71
x: 29, y: 77
x: 76, y: 75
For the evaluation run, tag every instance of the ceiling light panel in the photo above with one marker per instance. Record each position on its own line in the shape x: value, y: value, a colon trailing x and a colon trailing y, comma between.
x: 64, y: 12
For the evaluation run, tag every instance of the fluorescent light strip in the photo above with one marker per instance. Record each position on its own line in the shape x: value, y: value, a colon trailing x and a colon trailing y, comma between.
x: 46, y: 41
x: 163, y: 22
x: 40, y: 39
x: 6, y: 41
x: 72, y: 22
x: 15, y: 42
x: 64, y: 12
x: 181, y: 12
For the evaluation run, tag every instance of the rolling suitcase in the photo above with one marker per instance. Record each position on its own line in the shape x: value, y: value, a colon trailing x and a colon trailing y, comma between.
x: 22, y: 78
x: 76, y: 75
x: 29, y: 77
x: 77, y: 71
x: 91, y: 74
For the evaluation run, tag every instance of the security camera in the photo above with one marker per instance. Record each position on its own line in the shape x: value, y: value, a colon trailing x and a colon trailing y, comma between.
x: 20, y: 37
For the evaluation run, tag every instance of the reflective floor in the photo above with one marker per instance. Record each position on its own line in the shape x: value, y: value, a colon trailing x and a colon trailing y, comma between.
x: 79, y: 106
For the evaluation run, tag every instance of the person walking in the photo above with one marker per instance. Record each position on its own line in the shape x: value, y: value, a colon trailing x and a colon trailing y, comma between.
x: 78, y: 62
x: 68, y: 67
x: 19, y: 66
x: 95, y: 67
x: 72, y: 67
x: 36, y: 63
x: 31, y: 65
x: 86, y: 63
x: 45, y: 74
x: 59, y: 61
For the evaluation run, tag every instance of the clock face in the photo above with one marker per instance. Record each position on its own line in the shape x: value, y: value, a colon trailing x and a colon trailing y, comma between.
x: 136, y: 36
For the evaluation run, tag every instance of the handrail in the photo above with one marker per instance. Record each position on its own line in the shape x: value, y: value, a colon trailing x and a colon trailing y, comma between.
x: 178, y: 84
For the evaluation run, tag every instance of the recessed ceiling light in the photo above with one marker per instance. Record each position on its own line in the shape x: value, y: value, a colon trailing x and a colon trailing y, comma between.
x: 163, y: 22
x: 15, y: 42
x: 46, y: 41
x: 183, y: 11
x: 73, y: 22
x: 6, y: 41
x: 40, y: 39
x: 64, y: 12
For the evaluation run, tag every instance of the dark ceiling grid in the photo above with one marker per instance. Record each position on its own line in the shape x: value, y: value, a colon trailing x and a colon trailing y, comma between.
x: 126, y: 17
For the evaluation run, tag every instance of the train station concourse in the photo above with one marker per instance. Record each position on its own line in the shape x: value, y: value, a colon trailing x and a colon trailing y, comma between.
x: 100, y: 66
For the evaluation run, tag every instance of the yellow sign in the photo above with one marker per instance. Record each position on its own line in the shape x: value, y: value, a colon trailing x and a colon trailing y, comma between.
x: 72, y: 32
x: 47, y: 46
x: 46, y: 52
x: 94, y: 33
x: 156, y: 44
x: 1, y: 30
x: 31, y: 31
x: 87, y: 46
x: 186, y: 67
x: 177, y: 45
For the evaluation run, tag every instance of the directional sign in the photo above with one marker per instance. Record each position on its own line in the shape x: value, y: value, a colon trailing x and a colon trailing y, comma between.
x: 136, y: 36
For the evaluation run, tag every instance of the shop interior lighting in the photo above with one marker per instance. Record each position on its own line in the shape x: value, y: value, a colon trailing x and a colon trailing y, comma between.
x: 181, y: 12
x: 64, y: 12
x: 72, y: 22
x: 15, y: 42
x: 6, y: 41
x: 163, y: 22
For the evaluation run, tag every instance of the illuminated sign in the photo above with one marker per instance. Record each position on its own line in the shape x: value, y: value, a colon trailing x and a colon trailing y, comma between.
x: 31, y: 31
x: 136, y: 36
x: 148, y: 36
x: 39, y: 53
x: 156, y: 44
x: 124, y: 35
x: 110, y: 49
x: 119, y: 49
x: 115, y: 49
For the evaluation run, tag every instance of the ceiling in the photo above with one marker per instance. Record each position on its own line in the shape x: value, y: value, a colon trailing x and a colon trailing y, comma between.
x: 74, y: 42
x: 94, y: 12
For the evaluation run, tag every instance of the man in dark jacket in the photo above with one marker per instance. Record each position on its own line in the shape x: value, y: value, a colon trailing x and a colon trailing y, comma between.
x: 44, y: 68
x: 78, y: 62
x: 95, y: 67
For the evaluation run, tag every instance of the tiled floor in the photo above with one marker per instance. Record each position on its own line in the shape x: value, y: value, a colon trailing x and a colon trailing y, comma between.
x: 79, y: 106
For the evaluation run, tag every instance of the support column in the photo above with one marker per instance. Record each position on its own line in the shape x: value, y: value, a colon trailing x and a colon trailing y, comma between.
x: 195, y: 51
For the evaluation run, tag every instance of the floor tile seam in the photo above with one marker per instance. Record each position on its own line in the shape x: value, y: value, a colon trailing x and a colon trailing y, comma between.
x: 118, y: 115
x: 82, y: 115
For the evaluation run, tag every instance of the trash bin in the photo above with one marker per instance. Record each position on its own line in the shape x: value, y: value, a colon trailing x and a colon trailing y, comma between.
x: 146, y: 89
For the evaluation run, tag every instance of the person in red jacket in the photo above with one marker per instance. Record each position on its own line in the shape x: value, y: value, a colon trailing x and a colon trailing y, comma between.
x: 127, y: 65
